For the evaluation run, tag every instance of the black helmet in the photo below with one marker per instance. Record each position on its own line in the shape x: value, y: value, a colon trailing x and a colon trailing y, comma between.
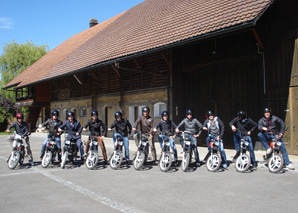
x: 164, y: 113
x: 70, y: 113
x: 55, y: 112
x: 117, y: 114
x: 267, y: 109
x: 241, y: 114
x: 188, y: 112
x: 146, y: 109
x: 94, y: 112
x: 208, y: 113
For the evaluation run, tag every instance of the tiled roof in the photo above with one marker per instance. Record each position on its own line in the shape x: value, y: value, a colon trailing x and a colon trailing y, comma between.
x: 149, y: 25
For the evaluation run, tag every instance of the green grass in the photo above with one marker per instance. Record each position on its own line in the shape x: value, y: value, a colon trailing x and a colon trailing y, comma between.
x: 5, y: 133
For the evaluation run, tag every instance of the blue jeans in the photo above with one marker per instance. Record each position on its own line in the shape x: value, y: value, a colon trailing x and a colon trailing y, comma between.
x: 220, y: 147
x: 57, y: 140
x: 171, y: 140
x: 237, y: 139
x: 193, y: 145
x: 125, y: 142
x: 263, y: 136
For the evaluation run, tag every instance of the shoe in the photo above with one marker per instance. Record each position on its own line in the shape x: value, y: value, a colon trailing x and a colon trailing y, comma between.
x: 255, y: 165
x: 268, y: 151
x: 198, y: 164
x: 176, y: 163
x: 32, y: 163
x: 224, y: 166
x: 235, y: 157
x: 85, y: 155
x: 106, y: 162
x: 290, y: 167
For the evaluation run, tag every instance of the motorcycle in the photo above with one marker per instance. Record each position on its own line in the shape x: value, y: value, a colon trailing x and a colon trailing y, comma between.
x: 214, y: 160
x: 117, y: 156
x: 142, y: 153
x: 70, y: 150
x: 243, y: 161
x: 187, y: 150
x: 92, y: 156
x: 50, y: 152
x: 275, y: 158
x: 18, y: 152
x: 166, y: 157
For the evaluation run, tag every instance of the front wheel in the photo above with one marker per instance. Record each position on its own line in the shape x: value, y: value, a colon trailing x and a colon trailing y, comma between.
x: 139, y: 160
x: 13, y: 160
x: 242, y: 163
x: 116, y: 160
x: 165, y: 161
x: 91, y: 160
x: 185, y: 160
x: 46, y: 160
x: 63, y: 160
x: 275, y: 163
x: 213, y: 162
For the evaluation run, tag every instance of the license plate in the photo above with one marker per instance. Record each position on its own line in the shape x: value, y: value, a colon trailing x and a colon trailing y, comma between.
x: 187, y: 143
x: 120, y: 143
x: 95, y: 143
x: 144, y: 143
x: 167, y: 143
x: 67, y: 142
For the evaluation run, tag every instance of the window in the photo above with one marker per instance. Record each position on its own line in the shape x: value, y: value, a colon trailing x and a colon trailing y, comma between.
x: 83, y: 112
x: 158, y: 108
x: 134, y: 113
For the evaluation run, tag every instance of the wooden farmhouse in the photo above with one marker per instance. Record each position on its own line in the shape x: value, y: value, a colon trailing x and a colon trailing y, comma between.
x: 173, y: 55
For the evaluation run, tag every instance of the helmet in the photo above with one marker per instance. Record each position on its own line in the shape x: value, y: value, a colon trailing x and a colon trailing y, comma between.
x: 241, y: 114
x: 164, y: 113
x: 70, y: 113
x: 55, y: 112
x: 20, y: 116
x: 117, y: 114
x: 188, y: 112
x: 146, y: 109
x: 94, y: 112
x: 208, y: 113
x: 267, y: 109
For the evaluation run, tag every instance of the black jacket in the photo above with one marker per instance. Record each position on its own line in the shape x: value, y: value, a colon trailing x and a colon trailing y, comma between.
x: 272, y: 125
x: 244, y: 125
x: 53, y: 128
x: 121, y: 127
x: 72, y: 128
x: 166, y: 127
x: 20, y: 129
x: 94, y: 127
x: 218, y: 123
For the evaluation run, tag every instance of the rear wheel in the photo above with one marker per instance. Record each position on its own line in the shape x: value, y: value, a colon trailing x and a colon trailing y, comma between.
x: 242, y: 163
x: 213, y: 162
x: 13, y: 160
x: 139, y: 160
x: 63, y: 160
x: 165, y: 161
x: 185, y: 160
x: 91, y: 160
x: 46, y: 160
x: 275, y: 163
x: 116, y: 160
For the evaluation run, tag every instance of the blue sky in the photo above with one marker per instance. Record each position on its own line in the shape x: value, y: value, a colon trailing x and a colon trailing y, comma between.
x: 53, y: 22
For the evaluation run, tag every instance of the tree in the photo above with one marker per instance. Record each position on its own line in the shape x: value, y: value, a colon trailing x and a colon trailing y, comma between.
x: 15, y: 59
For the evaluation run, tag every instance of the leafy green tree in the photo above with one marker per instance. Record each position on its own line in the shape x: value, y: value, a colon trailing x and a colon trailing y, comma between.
x: 14, y: 60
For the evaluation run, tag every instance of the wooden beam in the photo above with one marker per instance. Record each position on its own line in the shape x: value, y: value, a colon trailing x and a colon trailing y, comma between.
x: 257, y: 38
x: 166, y: 59
x: 139, y: 67
x: 93, y: 75
x: 116, y: 70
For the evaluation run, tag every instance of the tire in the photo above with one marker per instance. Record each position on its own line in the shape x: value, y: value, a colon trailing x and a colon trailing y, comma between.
x: 46, y: 160
x: 165, y: 161
x: 91, y: 160
x: 13, y: 160
x: 116, y: 160
x: 185, y: 160
x: 213, y: 162
x: 139, y: 160
x: 275, y: 163
x: 242, y: 163
x: 63, y: 160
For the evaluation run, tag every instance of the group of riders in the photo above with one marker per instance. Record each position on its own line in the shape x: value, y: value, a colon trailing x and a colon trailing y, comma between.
x: 269, y: 126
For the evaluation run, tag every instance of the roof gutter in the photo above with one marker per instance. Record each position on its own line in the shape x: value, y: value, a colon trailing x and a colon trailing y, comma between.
x: 241, y: 27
